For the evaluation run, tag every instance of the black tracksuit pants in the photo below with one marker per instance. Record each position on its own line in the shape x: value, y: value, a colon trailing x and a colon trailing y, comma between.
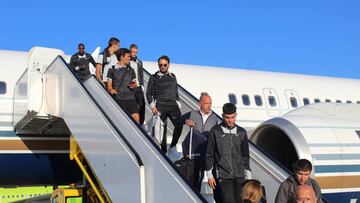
x: 229, y: 190
x: 139, y: 96
x: 172, y: 112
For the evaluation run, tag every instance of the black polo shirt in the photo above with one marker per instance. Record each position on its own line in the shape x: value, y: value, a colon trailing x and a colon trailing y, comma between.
x: 116, y: 73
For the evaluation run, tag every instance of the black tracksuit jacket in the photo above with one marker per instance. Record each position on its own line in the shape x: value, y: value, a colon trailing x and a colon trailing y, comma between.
x: 227, y: 152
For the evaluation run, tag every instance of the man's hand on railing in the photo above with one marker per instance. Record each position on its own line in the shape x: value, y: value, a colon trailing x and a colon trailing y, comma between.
x: 113, y: 91
x: 154, y: 110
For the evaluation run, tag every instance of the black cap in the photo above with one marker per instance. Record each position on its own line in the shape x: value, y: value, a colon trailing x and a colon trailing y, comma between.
x: 229, y: 108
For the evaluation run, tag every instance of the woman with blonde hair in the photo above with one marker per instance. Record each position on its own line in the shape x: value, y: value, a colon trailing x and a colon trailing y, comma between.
x: 252, y: 192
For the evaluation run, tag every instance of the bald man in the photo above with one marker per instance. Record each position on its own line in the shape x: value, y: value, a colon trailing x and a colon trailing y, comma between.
x: 202, y: 121
x: 305, y: 194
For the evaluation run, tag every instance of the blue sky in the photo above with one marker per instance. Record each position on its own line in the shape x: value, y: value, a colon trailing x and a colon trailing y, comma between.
x: 309, y: 37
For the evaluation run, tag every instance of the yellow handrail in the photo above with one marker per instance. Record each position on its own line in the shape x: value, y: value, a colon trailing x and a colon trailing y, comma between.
x: 74, y: 151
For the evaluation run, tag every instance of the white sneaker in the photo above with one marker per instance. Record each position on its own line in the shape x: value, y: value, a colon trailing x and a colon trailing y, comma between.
x: 173, y: 154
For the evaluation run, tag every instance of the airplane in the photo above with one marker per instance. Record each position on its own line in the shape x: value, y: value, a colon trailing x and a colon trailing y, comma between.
x: 290, y: 116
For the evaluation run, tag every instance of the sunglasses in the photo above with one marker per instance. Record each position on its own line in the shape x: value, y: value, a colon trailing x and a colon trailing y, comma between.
x: 163, y: 64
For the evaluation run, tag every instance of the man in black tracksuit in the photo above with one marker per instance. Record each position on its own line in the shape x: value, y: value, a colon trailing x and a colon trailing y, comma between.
x: 162, y: 95
x: 80, y: 62
x: 227, y: 157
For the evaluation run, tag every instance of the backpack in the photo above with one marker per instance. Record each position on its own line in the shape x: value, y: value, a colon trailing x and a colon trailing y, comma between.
x: 105, y: 54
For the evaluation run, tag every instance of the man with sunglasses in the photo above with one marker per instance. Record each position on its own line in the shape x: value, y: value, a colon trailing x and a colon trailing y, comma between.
x: 162, y: 95
x: 80, y: 62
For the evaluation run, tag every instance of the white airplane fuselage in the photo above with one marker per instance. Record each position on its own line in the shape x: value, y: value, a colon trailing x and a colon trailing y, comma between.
x: 258, y: 95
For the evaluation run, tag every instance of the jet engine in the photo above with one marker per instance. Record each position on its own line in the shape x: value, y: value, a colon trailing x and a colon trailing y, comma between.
x: 327, y: 134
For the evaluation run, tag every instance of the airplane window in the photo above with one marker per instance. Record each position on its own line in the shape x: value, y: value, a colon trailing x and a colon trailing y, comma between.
x: 358, y: 102
x: 232, y: 98
x: 293, y: 102
x: 245, y: 99
x: 327, y: 100
x: 317, y: 100
x: 306, y: 101
x: 258, y: 100
x: 338, y: 101
x: 2, y: 87
x: 348, y: 101
x: 272, y: 101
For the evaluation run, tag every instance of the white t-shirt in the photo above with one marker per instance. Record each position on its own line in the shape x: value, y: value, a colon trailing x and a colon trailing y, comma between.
x: 112, y: 61
x: 205, y: 116
x: 134, y: 65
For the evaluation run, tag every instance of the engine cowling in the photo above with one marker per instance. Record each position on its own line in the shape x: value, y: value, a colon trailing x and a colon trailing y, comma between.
x: 327, y: 134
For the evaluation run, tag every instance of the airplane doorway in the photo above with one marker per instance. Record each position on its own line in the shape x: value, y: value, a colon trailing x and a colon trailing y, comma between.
x: 272, y: 102
x: 292, y: 98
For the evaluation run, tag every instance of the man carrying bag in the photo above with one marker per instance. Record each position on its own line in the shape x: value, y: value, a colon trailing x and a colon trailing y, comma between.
x: 194, y: 145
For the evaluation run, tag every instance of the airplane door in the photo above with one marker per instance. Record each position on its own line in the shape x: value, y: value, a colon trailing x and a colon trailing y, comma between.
x: 292, y: 98
x: 272, y: 102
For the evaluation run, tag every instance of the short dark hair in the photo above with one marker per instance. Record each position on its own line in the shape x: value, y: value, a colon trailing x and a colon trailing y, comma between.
x: 133, y: 46
x: 121, y: 52
x: 81, y: 45
x: 165, y: 58
x: 229, y: 108
x: 302, y: 165
x: 112, y: 41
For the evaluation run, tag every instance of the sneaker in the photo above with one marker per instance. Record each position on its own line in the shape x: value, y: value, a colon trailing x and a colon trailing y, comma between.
x: 173, y: 154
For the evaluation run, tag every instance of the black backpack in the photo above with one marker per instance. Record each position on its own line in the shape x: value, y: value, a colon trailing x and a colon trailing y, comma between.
x: 105, y: 54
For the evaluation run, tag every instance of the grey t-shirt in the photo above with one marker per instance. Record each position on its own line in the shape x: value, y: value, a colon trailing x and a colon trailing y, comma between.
x: 122, y: 87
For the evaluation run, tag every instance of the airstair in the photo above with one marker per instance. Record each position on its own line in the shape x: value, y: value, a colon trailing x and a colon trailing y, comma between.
x: 123, y: 158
